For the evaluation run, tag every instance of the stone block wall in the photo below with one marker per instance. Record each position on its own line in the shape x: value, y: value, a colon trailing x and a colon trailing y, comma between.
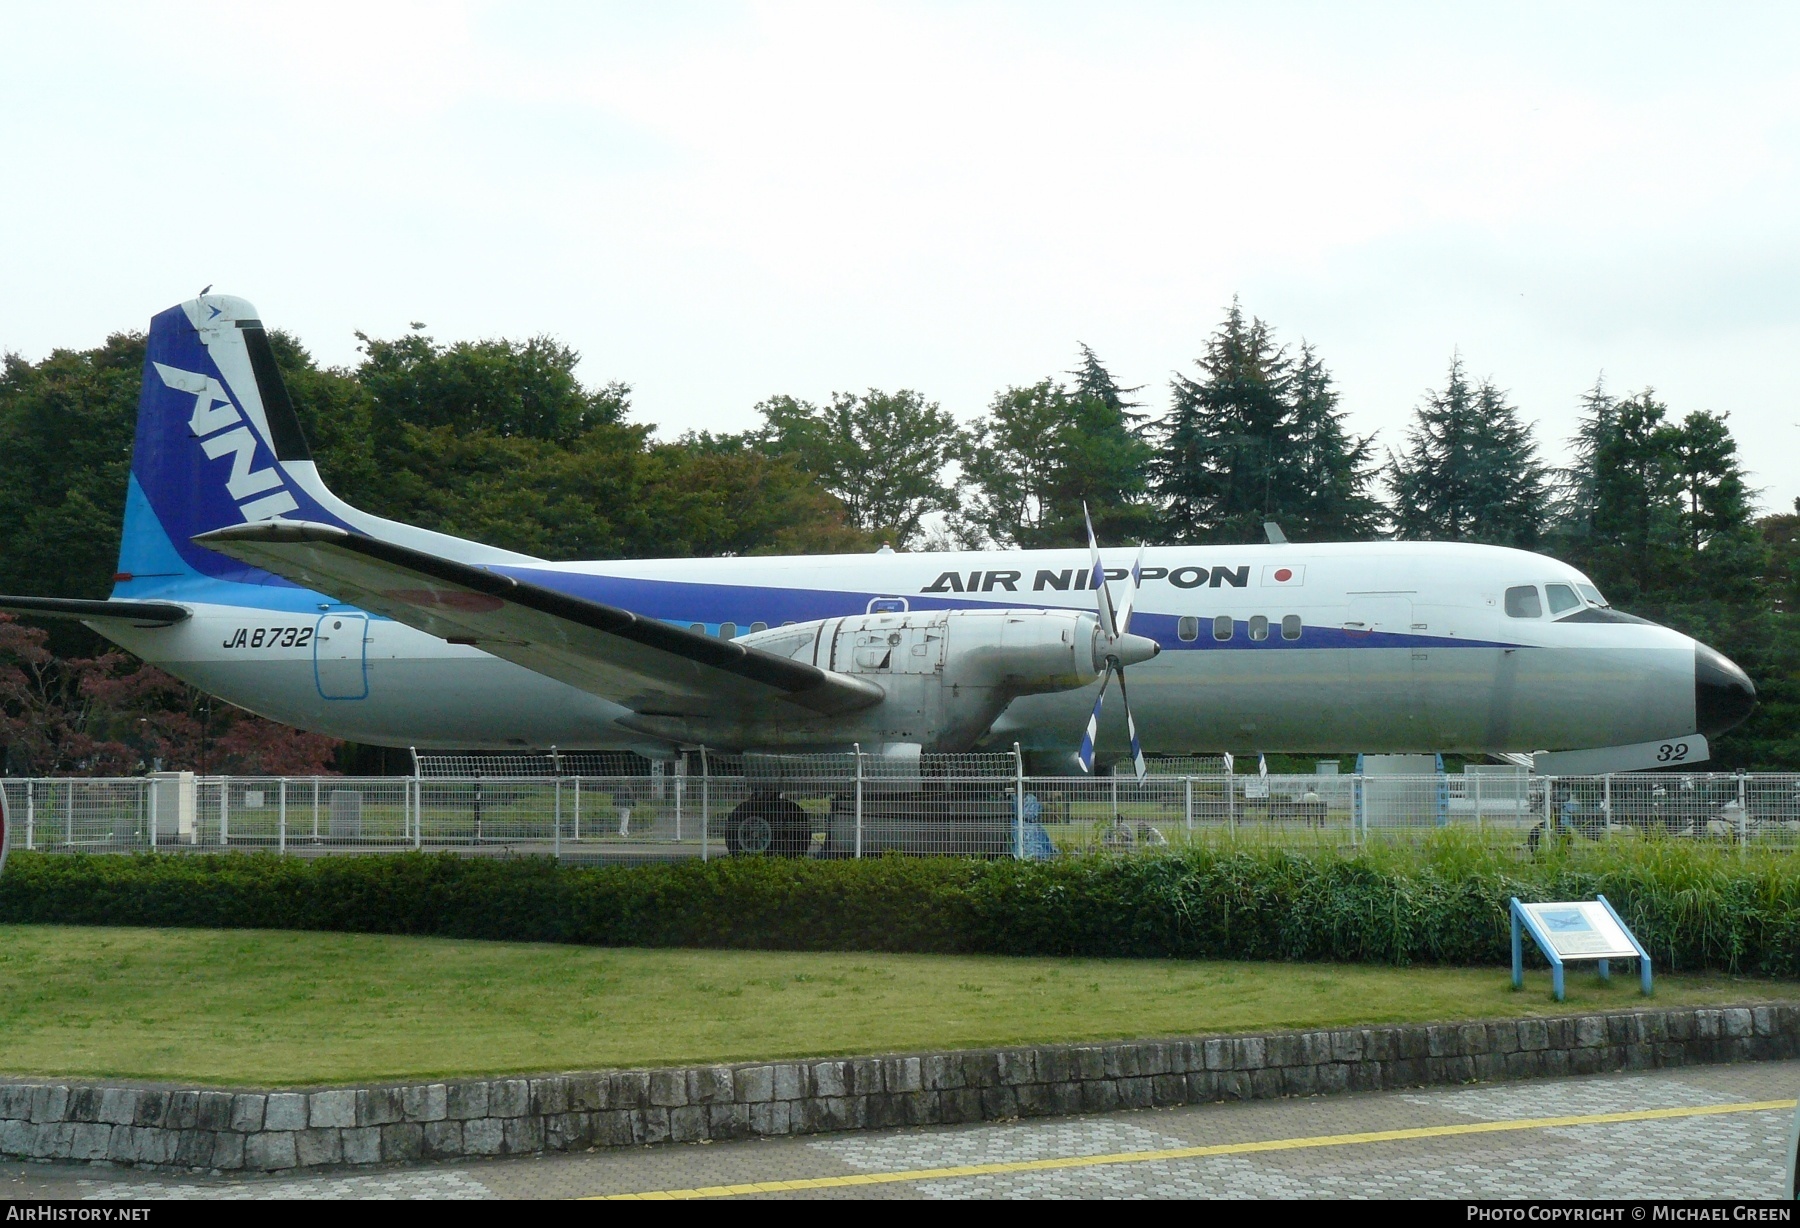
x: 176, y: 1127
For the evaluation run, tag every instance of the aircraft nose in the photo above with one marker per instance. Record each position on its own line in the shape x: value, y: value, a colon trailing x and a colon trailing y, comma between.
x: 1723, y: 693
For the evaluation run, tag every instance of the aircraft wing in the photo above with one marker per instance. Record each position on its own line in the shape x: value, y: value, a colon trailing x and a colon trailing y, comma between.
x: 137, y: 613
x: 646, y: 665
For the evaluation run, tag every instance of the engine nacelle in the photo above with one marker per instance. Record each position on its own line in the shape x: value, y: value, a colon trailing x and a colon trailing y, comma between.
x: 947, y: 674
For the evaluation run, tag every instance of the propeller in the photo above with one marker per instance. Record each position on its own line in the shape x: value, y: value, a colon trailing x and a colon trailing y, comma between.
x: 1117, y: 648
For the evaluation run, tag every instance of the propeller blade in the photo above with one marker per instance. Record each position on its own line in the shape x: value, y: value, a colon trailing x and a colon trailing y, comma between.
x: 1086, y: 755
x: 1137, y: 571
x: 1137, y: 750
x: 1109, y: 623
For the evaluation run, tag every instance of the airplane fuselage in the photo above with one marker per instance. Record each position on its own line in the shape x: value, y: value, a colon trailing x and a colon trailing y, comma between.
x: 1296, y: 648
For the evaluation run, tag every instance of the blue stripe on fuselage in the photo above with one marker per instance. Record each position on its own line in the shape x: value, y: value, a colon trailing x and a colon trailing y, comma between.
x: 684, y: 603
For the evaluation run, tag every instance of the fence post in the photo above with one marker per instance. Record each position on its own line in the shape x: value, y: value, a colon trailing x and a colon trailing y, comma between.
x: 1477, y: 796
x: 1113, y: 776
x: 577, y: 816
x: 224, y: 810
x: 856, y: 840
x: 705, y: 803
x: 1231, y: 802
x: 680, y: 784
x: 315, y: 793
x: 30, y: 812
x: 556, y: 818
x: 1359, y: 810
x: 1188, y: 807
x: 1018, y: 804
x: 1743, y: 816
x: 69, y: 810
x: 418, y: 796
x: 1606, y: 803
x: 153, y: 793
x: 281, y: 817
x: 1550, y: 807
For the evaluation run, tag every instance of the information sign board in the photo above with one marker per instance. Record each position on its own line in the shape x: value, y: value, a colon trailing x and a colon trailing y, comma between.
x: 1582, y: 930
x: 1572, y: 930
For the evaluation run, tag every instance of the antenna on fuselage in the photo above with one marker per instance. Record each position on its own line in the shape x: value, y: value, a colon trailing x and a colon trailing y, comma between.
x: 1273, y: 532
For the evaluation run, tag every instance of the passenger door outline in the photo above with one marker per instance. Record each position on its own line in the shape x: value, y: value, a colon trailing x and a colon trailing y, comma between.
x: 341, y: 656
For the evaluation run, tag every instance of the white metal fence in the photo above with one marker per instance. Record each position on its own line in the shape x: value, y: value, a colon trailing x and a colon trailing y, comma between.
x: 859, y: 806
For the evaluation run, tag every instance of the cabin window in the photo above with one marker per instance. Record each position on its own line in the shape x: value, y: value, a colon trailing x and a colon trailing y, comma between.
x: 1290, y: 627
x: 1259, y: 627
x: 1522, y: 602
x: 697, y: 628
x: 728, y: 631
x: 1187, y: 630
x: 1562, y: 599
x: 759, y: 626
x: 1222, y: 627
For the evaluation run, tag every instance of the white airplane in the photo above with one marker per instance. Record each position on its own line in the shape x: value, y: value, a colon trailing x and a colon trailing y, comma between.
x: 242, y: 574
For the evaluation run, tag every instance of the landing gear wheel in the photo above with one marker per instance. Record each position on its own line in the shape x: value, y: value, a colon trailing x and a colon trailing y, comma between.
x: 768, y: 827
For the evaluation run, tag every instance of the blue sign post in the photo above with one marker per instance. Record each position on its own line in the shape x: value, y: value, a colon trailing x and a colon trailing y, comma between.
x: 1581, y: 930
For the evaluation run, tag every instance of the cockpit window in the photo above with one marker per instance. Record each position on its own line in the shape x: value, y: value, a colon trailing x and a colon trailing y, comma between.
x: 1592, y: 594
x: 1522, y: 602
x: 1562, y: 599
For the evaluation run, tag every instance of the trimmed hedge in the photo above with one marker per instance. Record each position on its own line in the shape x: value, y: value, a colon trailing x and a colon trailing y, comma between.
x: 1696, y: 908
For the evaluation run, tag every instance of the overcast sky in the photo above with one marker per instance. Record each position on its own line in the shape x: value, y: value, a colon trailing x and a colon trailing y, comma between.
x: 718, y: 202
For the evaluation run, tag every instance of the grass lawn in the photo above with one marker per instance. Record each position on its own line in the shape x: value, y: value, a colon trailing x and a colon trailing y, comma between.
x: 283, y: 1009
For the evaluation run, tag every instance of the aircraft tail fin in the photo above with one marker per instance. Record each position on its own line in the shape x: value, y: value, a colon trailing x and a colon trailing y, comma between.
x: 218, y: 444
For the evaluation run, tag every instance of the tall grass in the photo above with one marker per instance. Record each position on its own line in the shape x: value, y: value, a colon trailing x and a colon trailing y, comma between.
x: 1441, y: 900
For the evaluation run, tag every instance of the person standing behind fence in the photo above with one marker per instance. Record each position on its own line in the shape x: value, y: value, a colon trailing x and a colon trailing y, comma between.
x: 623, y: 802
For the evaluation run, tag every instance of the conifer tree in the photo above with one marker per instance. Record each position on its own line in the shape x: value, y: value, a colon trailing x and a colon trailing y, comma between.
x: 1470, y: 469
x: 1338, y: 468
x: 1259, y: 437
x: 1725, y: 552
x: 1572, y: 506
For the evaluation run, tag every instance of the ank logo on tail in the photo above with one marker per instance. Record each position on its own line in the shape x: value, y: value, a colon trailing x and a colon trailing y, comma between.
x: 222, y: 431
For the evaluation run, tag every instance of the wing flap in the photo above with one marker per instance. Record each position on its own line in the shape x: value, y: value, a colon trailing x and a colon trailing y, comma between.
x: 647, y: 665
x: 137, y: 613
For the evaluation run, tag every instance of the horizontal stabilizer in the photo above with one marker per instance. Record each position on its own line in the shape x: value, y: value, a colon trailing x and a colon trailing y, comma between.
x: 137, y: 613
x: 646, y: 665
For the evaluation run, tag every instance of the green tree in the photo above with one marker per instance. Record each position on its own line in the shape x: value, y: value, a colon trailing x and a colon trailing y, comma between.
x: 1635, y: 531
x: 724, y: 496
x: 1781, y: 539
x: 887, y: 456
x: 1574, y: 492
x: 1043, y: 451
x: 1726, y: 554
x: 1259, y: 437
x: 508, y: 388
x: 1659, y: 514
x: 500, y: 442
x: 1470, y: 469
x: 1337, y: 468
x: 66, y: 426
x: 1658, y: 510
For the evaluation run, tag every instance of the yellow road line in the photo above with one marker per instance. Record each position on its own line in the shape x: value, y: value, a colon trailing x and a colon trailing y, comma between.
x: 1190, y: 1153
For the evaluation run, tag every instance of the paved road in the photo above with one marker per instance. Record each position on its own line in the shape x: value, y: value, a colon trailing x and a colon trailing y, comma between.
x: 1711, y: 1132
